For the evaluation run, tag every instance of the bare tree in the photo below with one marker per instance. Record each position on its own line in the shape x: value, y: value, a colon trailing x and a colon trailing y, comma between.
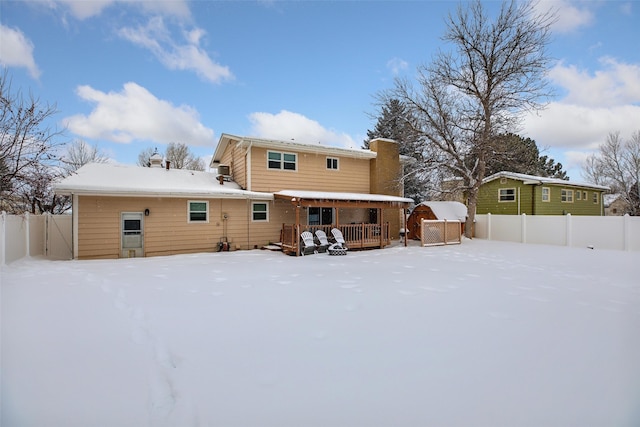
x: 145, y: 155
x: 182, y: 158
x: 79, y: 154
x: 27, y: 152
x: 466, y: 97
x: 617, y: 165
x: 178, y: 154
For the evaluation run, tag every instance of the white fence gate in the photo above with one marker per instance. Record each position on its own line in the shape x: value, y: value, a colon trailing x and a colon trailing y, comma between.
x: 35, y: 235
x: 440, y: 232
x: 601, y: 232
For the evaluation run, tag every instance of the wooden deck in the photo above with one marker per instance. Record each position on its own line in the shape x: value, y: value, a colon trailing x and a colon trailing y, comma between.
x: 357, y: 236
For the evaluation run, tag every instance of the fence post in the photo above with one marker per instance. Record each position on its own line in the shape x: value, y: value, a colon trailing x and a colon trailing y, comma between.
x: 3, y: 236
x: 488, y: 225
x: 626, y: 238
x: 523, y: 228
x: 27, y: 230
x: 568, y: 231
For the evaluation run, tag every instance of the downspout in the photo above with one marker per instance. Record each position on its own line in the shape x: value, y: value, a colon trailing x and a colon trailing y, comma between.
x: 247, y: 156
x: 518, y: 200
x: 75, y: 207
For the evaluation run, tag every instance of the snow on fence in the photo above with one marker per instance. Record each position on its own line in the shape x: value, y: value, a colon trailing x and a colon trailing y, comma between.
x: 601, y: 232
x: 440, y: 232
x: 35, y: 235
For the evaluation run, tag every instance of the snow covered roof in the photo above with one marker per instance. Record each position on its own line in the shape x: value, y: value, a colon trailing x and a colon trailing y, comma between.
x: 225, y: 139
x: 125, y: 180
x: 535, y: 180
x: 322, y: 195
x: 450, y: 211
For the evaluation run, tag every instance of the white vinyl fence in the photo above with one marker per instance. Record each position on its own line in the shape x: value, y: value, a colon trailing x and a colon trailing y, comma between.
x: 596, y: 232
x: 35, y: 235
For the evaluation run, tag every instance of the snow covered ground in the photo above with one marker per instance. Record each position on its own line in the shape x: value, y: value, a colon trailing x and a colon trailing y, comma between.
x: 480, y: 334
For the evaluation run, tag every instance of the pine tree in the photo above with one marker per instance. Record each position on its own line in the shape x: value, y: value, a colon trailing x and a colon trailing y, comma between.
x: 393, y: 123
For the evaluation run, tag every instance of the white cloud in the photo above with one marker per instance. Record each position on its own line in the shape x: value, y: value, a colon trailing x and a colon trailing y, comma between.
x: 616, y: 83
x: 397, y: 65
x: 16, y: 50
x: 189, y: 56
x: 293, y: 126
x: 135, y: 114
x: 570, y: 15
x: 580, y: 127
x: 89, y: 8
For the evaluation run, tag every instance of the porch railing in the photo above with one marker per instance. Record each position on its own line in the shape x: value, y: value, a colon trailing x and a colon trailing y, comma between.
x: 357, y: 236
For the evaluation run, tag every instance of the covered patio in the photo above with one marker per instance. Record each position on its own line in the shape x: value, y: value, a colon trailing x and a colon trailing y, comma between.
x: 358, y: 235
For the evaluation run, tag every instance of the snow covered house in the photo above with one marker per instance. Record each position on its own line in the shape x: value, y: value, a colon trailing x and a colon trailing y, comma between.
x: 509, y: 193
x: 264, y: 191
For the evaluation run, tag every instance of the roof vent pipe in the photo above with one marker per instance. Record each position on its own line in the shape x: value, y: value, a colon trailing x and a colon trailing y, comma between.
x: 221, y: 179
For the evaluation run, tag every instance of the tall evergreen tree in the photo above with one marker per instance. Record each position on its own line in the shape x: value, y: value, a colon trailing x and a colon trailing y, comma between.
x: 513, y: 153
x: 393, y: 123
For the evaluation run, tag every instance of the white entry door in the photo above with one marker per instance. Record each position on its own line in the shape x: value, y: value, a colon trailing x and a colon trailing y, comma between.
x: 132, y: 235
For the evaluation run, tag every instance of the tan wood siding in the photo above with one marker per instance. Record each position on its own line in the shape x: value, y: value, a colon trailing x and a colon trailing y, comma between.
x: 166, y: 229
x: 311, y: 174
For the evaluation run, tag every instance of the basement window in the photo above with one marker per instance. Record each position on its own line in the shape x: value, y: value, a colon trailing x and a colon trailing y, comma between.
x: 198, y: 211
x: 259, y: 212
x: 507, y: 194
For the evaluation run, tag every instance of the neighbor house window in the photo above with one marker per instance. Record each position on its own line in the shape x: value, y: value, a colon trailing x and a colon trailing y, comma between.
x: 595, y: 197
x: 579, y: 195
x: 259, y: 211
x: 546, y: 194
x: 566, y: 195
x: 198, y: 211
x: 283, y: 161
x: 332, y: 163
x: 584, y: 195
x: 507, y: 194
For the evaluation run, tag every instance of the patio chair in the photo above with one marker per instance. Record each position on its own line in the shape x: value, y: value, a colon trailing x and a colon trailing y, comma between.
x: 340, y: 246
x: 308, y: 245
x: 322, y: 239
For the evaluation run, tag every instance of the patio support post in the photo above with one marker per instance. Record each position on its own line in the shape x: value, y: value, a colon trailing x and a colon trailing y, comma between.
x: 297, y: 236
x: 381, y: 224
x: 404, y: 213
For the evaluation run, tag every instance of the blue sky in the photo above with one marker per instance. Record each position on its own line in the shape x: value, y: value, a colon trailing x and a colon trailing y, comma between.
x: 129, y: 75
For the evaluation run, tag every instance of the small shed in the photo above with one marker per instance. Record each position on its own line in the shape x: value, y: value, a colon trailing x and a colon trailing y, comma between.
x: 451, y: 211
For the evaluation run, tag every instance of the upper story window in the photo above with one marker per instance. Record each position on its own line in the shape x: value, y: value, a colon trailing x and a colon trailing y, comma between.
x: 595, y: 197
x: 566, y: 195
x: 507, y: 194
x: 198, y: 211
x: 546, y: 194
x: 578, y: 195
x: 282, y: 161
x: 332, y: 163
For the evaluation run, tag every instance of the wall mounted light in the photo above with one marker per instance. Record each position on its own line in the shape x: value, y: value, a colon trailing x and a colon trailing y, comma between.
x: 146, y: 212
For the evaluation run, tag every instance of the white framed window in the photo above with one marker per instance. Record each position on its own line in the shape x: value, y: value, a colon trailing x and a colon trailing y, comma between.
x: 579, y: 195
x: 566, y: 195
x: 506, y: 194
x: 259, y: 211
x: 546, y: 194
x: 584, y: 195
x: 595, y: 197
x: 332, y: 163
x: 198, y: 211
x: 282, y: 161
